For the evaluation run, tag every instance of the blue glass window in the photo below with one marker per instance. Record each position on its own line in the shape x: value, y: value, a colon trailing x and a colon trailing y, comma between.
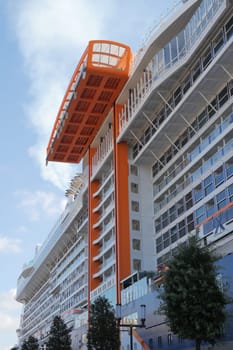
x: 219, y: 176
x: 210, y: 207
x: 230, y: 192
x: 200, y: 214
x: 208, y: 185
x: 221, y: 199
x: 198, y: 193
x: 229, y: 167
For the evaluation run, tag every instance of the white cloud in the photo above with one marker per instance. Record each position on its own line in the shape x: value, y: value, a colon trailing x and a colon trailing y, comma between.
x: 52, y: 36
x: 40, y: 204
x: 8, y: 302
x: 8, y: 322
x: 9, y: 245
x: 9, y: 317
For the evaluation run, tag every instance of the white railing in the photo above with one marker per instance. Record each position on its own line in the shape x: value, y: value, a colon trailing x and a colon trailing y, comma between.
x: 104, y: 148
x: 137, y: 96
x: 103, y: 287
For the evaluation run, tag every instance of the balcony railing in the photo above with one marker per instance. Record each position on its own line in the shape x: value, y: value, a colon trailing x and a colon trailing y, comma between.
x: 102, y: 151
x: 146, y: 84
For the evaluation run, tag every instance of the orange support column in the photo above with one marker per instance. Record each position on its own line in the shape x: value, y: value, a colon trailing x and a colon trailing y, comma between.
x: 121, y: 208
x: 93, y: 232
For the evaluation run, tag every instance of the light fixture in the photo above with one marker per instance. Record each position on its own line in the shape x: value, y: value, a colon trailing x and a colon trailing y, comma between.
x: 142, y: 315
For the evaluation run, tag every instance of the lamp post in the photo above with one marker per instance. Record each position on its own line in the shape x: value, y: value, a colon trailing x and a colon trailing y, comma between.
x: 131, y: 325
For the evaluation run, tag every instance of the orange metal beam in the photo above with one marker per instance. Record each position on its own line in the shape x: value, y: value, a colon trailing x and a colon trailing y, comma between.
x: 96, y: 83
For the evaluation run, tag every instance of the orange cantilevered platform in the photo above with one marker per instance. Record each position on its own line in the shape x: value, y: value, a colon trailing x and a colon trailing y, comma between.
x: 97, y: 81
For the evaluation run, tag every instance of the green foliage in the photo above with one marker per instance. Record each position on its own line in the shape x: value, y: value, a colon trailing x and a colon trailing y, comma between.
x: 192, y: 300
x: 59, y: 336
x: 30, y: 344
x: 103, y: 332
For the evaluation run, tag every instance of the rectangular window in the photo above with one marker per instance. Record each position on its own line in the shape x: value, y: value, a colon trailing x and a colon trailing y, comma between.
x: 134, y: 170
x: 167, y: 56
x: 229, y: 167
x: 210, y: 207
x: 181, y: 44
x: 165, y: 220
x: 221, y: 199
x: 135, y: 206
x: 198, y: 193
x: 172, y: 213
x: 174, y: 235
x: 202, y: 119
x: 230, y: 193
x: 159, y: 244
x: 207, y: 58
x: 182, y: 228
x: 166, y: 239
x: 134, y: 187
x: 157, y: 225
x: 212, y: 107
x: 173, y: 47
x: 161, y: 117
x: 196, y: 70
x: 229, y: 28
x: 219, y: 176
x: 208, y: 185
x: 136, y: 225
x: 218, y: 42
x: 200, y: 214
x: 190, y: 222
x: 136, y: 244
x: 186, y: 85
x: 223, y: 96
x: 155, y: 169
x: 168, y: 155
x: 169, y: 338
x: 189, y: 200
x: 230, y: 87
x: 160, y: 342
x: 180, y: 207
x: 137, y: 264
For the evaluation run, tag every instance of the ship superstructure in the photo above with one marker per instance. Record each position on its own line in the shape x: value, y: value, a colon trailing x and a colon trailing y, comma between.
x: 154, y: 133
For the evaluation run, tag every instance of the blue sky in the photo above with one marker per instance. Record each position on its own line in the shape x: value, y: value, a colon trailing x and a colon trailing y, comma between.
x: 41, y: 43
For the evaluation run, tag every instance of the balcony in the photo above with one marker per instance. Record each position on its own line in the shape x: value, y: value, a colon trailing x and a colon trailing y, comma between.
x: 139, y: 109
x: 103, y: 151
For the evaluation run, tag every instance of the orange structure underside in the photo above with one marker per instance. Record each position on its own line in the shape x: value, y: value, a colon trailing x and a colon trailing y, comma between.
x: 96, y: 83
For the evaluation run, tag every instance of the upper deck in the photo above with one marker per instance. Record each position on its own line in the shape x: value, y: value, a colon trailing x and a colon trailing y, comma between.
x: 96, y: 83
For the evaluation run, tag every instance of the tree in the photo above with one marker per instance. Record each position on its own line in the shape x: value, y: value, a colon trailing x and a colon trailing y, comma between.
x: 30, y: 344
x: 59, y: 336
x: 193, y: 302
x: 103, y: 333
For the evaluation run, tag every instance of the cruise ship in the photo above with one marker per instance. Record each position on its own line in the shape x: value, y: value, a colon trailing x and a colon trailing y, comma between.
x: 154, y: 134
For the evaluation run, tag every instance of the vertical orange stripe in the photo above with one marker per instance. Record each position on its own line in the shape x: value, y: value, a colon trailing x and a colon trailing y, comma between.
x: 121, y: 208
x: 93, y: 233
